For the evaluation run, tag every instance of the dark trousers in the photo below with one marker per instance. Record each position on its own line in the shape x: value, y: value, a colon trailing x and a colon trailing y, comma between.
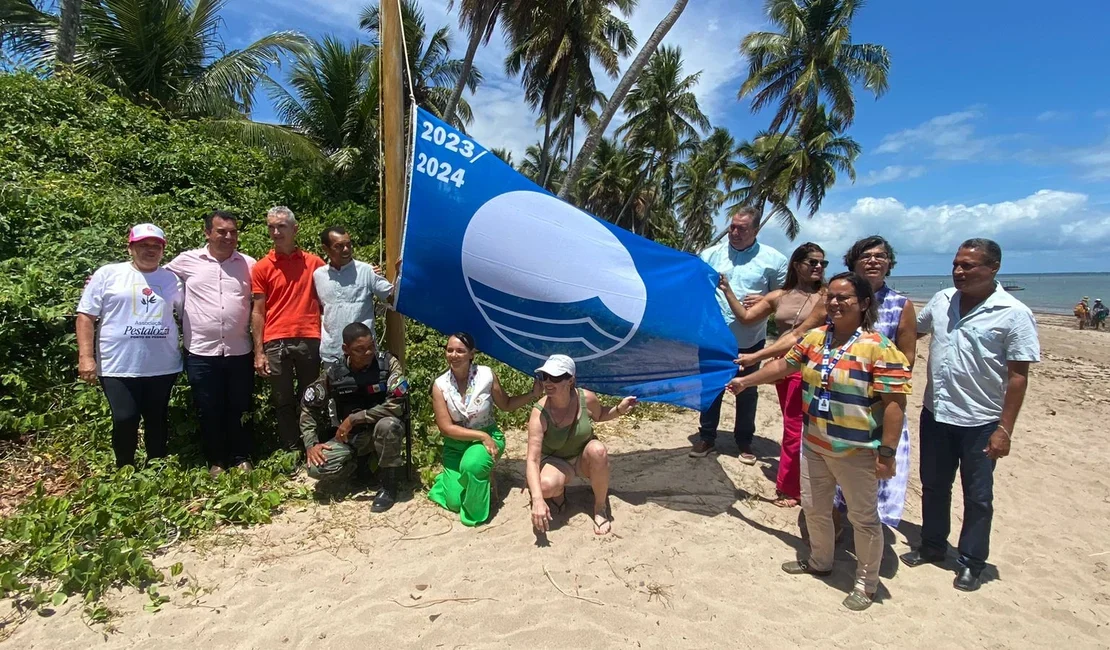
x: 744, y: 428
x: 222, y: 390
x: 944, y: 449
x: 131, y: 399
x: 291, y: 359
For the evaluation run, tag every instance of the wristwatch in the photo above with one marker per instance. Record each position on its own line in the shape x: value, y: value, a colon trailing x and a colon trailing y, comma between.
x: 886, y: 452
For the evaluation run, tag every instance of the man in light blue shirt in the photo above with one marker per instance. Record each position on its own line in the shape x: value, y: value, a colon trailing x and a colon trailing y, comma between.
x: 983, y: 342
x: 346, y: 288
x: 753, y: 270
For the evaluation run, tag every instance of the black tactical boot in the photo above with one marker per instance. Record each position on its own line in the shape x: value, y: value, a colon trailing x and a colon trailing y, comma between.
x: 387, y: 494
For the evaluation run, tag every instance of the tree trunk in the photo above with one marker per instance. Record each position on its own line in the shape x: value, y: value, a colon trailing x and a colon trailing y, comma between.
x: 468, y: 65
x: 615, y: 102
x: 545, y: 155
x: 632, y: 192
x: 67, y: 33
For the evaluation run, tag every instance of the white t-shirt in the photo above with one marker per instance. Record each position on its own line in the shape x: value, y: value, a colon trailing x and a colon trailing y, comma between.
x: 137, y: 334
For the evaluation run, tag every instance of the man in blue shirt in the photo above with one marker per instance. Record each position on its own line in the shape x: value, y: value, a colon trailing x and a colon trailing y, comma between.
x: 983, y: 342
x: 753, y: 270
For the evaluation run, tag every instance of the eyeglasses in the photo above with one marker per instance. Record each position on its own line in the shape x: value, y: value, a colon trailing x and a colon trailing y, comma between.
x: 832, y: 297
x: 966, y: 266
x: 878, y: 257
x: 555, y: 379
x: 812, y: 263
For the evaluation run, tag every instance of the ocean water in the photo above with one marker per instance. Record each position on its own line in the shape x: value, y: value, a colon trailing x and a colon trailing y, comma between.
x: 1048, y: 292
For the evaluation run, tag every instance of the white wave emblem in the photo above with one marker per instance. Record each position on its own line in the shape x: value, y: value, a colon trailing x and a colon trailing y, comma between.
x: 548, y: 278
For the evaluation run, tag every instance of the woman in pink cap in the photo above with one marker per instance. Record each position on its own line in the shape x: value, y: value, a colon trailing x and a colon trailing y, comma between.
x: 561, y: 444
x: 135, y: 352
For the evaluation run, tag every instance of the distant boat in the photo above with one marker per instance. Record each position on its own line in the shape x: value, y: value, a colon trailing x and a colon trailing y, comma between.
x: 1012, y: 287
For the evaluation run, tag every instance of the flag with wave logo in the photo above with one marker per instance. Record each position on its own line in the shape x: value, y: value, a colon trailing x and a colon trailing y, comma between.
x: 487, y: 251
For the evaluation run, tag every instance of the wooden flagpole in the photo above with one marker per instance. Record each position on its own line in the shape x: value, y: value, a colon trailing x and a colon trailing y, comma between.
x: 393, y: 150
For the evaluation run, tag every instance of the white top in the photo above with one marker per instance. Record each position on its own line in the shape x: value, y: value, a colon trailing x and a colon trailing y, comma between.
x: 968, y: 356
x: 137, y: 334
x: 346, y: 295
x: 756, y: 269
x: 471, y: 407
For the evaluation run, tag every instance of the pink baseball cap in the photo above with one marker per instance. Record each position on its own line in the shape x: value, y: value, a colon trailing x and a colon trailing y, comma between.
x: 146, y: 231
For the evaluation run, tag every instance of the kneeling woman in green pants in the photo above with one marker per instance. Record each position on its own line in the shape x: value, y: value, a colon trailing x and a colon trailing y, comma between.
x: 463, y: 399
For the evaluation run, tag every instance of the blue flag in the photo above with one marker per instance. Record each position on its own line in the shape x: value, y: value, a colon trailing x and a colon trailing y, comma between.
x: 487, y: 251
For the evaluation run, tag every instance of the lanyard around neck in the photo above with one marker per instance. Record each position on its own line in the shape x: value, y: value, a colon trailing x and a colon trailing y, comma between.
x: 828, y: 364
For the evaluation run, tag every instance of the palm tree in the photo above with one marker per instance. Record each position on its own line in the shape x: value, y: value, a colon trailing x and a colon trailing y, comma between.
x: 760, y: 180
x: 434, y: 72
x: 479, y: 19
x: 699, y: 194
x: 811, y: 58
x: 617, y: 100
x: 554, y: 48
x: 798, y: 168
x: 334, y: 103
x: 505, y: 155
x: 664, y: 115
x: 609, y: 179
x: 822, y: 152
x: 162, y: 53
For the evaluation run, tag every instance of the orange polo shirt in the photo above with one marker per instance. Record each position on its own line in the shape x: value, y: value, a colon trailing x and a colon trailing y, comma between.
x: 292, y: 308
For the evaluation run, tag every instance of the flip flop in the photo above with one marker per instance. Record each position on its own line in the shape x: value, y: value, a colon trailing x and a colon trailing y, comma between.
x: 784, y: 501
x: 558, y: 506
x: 607, y: 520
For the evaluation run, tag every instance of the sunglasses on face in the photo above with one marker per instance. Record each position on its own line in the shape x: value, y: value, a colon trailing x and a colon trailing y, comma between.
x: 814, y: 263
x: 555, y: 379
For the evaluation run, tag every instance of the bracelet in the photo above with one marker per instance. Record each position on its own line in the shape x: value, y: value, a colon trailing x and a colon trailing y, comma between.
x: 1007, y: 431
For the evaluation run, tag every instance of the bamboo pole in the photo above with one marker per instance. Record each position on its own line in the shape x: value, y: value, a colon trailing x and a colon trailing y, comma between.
x: 393, y: 149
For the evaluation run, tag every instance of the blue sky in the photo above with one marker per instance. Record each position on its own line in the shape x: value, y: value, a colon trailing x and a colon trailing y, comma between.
x: 994, y: 125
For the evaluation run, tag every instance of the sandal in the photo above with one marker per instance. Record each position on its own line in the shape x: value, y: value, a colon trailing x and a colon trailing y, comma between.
x: 857, y: 601
x: 557, y: 506
x: 802, y: 567
x: 783, y: 501
x: 606, y: 522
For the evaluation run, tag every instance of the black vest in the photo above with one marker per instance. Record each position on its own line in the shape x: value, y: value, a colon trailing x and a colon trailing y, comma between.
x: 346, y: 393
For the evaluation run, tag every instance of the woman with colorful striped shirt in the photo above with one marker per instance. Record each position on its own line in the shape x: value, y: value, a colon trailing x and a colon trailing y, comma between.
x: 854, y: 387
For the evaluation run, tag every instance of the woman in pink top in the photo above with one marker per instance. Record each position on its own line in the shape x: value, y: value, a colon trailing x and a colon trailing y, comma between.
x: 798, y: 307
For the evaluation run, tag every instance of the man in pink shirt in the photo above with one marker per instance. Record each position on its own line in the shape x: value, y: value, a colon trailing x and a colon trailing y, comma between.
x: 218, y: 358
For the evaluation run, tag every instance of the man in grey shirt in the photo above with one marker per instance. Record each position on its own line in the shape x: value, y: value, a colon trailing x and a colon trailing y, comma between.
x: 346, y: 288
x: 983, y: 342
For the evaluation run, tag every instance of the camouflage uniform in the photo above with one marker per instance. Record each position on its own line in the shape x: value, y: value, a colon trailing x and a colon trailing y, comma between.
x: 374, y: 401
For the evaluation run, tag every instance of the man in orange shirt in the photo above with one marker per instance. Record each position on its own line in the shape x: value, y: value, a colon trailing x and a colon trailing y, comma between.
x: 285, y: 321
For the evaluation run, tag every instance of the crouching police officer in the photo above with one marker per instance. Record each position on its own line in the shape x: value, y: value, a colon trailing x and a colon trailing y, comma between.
x: 354, y: 409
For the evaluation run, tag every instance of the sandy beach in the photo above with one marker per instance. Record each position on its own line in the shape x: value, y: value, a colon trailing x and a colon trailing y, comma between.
x: 694, y: 561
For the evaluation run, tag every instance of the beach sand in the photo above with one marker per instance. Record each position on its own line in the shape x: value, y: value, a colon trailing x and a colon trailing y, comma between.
x: 694, y: 561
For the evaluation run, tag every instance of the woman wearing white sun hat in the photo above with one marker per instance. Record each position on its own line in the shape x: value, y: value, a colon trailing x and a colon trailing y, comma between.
x: 135, y: 353
x: 561, y: 443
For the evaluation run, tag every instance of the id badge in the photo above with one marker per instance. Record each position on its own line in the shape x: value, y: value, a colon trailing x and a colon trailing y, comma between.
x: 823, y: 403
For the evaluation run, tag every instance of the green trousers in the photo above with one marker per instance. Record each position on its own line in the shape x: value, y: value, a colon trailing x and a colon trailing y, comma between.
x: 463, y: 485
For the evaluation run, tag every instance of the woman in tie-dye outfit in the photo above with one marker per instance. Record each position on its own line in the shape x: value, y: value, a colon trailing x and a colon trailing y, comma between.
x: 873, y: 259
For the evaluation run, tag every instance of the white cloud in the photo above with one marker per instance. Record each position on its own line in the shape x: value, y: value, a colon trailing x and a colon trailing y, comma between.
x: 1094, y: 160
x: 1047, y: 220
x: 1052, y: 116
x: 946, y: 137
x: 889, y: 174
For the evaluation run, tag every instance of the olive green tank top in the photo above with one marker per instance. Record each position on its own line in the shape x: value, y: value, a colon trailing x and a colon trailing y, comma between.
x: 568, y: 441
